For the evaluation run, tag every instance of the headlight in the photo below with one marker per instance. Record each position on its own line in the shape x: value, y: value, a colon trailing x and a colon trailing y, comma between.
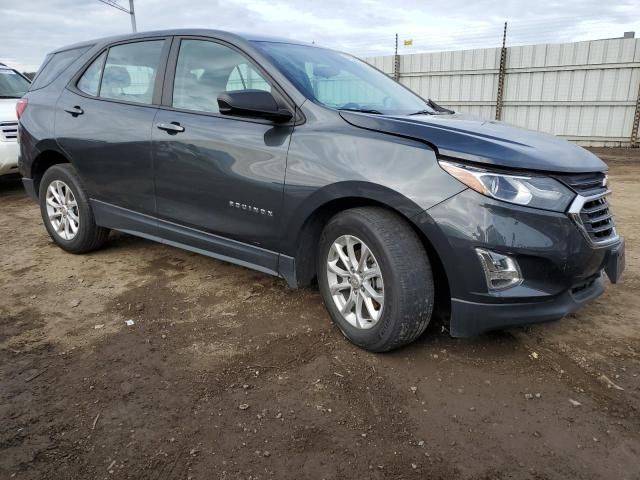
x: 532, y: 191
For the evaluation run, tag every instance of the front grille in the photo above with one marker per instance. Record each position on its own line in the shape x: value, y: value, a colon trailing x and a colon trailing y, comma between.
x: 9, y: 130
x: 597, y: 219
x: 586, y: 184
x: 590, y: 209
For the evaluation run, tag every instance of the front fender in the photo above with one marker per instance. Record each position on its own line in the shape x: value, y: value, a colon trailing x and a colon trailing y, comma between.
x: 346, y: 193
x: 330, y: 161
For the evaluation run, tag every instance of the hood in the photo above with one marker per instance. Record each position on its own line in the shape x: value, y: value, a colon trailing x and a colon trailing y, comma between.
x: 8, y: 109
x: 489, y: 142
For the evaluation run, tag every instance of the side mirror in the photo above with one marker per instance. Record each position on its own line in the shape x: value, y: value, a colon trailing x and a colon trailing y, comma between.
x: 252, y: 103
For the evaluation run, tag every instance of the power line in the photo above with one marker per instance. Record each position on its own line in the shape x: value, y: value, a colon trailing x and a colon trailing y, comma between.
x: 463, y: 40
x: 465, y: 36
x: 536, y: 31
x: 131, y: 11
x: 114, y: 4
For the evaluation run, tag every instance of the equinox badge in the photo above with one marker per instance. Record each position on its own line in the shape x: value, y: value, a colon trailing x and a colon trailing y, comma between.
x: 250, y: 208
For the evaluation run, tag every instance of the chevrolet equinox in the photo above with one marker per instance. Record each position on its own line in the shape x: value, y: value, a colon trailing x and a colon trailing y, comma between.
x: 311, y: 165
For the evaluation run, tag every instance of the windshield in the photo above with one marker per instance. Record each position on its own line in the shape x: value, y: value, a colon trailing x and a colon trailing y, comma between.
x: 12, y: 85
x: 340, y: 81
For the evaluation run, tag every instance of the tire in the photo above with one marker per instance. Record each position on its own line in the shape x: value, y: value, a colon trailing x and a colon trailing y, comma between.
x: 88, y: 236
x: 405, y: 289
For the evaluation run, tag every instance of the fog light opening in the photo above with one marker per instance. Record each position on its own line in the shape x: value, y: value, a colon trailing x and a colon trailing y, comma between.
x: 500, y: 271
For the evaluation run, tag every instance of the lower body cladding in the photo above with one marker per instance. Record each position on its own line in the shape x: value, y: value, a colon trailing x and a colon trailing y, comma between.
x: 8, y: 157
x: 552, y: 268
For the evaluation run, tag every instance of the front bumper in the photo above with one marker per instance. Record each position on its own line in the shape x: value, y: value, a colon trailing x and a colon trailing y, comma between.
x: 8, y: 157
x: 470, y: 318
x: 562, y: 271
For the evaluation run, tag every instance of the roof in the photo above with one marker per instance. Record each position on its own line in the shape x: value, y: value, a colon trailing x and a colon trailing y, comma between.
x: 247, y: 37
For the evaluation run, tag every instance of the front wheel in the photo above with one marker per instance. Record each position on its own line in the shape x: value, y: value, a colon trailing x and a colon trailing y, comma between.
x: 375, y: 278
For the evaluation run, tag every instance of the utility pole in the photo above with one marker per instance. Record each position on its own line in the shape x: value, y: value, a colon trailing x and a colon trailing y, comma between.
x: 501, y: 74
x: 636, y: 123
x: 396, y: 63
x: 131, y: 11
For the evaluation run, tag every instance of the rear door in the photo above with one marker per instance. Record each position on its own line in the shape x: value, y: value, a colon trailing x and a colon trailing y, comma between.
x: 216, y: 175
x: 104, y: 120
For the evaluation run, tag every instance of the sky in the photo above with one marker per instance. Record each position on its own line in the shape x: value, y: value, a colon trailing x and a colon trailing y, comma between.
x: 31, y: 28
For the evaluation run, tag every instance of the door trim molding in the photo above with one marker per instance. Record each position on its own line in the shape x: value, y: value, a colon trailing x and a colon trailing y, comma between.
x: 187, y: 238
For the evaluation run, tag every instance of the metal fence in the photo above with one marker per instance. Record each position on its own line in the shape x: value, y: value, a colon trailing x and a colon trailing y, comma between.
x: 587, y: 92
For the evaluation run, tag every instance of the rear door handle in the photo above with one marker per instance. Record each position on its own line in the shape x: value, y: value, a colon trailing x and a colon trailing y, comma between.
x: 172, y: 128
x: 74, y: 111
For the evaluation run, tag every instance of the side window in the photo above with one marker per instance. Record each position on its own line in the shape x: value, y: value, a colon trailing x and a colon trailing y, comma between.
x: 90, y: 81
x: 244, y: 77
x: 206, y: 69
x: 130, y: 71
x: 12, y: 84
x: 54, y: 65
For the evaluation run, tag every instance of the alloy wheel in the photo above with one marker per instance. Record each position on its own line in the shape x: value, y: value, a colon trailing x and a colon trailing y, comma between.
x: 62, y: 210
x: 355, y: 281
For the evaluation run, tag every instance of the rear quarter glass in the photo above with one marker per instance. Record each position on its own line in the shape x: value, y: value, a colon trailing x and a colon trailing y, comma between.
x: 54, y: 65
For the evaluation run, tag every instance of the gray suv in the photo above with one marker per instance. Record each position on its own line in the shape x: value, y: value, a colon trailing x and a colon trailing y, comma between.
x: 311, y: 165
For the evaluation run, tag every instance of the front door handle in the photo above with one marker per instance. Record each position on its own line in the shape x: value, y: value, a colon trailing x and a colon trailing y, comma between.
x: 172, y: 128
x: 74, y: 111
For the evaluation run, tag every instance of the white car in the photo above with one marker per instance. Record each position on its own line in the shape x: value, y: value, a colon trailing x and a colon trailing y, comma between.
x: 12, y: 87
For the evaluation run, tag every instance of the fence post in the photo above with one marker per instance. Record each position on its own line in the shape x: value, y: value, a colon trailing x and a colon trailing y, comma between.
x: 396, y: 63
x: 501, y: 74
x: 636, y: 123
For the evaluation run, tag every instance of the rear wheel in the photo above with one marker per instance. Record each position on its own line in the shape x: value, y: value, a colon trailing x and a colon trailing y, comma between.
x: 66, y: 211
x: 375, y: 278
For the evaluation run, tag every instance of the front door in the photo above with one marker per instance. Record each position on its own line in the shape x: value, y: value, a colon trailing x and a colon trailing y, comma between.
x: 218, y: 178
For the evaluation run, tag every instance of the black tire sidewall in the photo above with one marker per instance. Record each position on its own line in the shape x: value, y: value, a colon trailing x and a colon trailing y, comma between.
x: 86, y: 229
x: 380, y: 333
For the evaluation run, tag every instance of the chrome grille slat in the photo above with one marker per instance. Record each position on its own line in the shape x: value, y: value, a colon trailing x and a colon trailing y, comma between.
x: 598, y: 229
x: 590, y: 210
x: 601, y: 218
x: 596, y: 208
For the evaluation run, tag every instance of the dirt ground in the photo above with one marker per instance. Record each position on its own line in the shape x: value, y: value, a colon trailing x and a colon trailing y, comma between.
x: 228, y: 374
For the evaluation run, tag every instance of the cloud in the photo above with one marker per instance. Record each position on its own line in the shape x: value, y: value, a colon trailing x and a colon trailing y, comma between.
x: 29, y: 29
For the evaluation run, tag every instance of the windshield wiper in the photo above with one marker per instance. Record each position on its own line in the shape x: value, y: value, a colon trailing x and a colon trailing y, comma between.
x: 362, y: 110
x: 439, y: 108
x: 8, y: 96
x: 423, y: 112
x: 436, y: 110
